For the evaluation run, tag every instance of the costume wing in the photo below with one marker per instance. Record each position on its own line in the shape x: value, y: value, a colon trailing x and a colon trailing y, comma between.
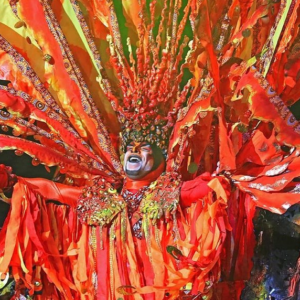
x: 243, y: 65
x: 243, y: 73
x: 53, y: 65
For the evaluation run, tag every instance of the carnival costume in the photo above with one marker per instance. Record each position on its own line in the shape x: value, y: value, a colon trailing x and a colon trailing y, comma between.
x: 208, y: 82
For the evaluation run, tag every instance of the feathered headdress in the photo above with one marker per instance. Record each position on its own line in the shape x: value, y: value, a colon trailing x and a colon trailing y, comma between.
x: 150, y: 76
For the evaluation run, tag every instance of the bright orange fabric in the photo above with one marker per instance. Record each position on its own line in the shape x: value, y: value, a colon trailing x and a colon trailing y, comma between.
x: 61, y: 247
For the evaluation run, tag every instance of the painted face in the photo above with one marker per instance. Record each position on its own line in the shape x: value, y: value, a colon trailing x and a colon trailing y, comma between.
x: 138, y: 160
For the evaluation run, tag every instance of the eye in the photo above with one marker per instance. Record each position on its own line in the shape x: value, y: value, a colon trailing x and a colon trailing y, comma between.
x: 146, y: 148
x: 129, y: 148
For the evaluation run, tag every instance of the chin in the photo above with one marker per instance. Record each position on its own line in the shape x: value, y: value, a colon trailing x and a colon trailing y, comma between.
x: 136, y: 174
x: 132, y: 173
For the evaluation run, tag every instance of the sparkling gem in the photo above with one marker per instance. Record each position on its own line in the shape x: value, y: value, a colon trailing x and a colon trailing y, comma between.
x: 37, y: 283
x: 4, y: 128
x: 19, y: 152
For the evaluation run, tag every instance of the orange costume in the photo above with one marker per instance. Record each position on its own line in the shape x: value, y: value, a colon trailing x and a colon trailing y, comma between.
x: 208, y: 82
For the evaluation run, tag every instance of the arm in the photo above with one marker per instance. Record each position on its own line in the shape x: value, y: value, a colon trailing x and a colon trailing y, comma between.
x: 48, y: 189
x: 54, y: 191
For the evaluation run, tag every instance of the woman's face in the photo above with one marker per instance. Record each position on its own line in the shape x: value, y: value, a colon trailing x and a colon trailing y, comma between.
x: 138, y: 160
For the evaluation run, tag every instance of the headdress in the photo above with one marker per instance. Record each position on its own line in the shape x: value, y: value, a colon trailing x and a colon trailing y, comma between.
x: 150, y: 79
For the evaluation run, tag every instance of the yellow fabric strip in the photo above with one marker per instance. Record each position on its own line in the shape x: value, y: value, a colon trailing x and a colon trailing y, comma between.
x: 275, y: 38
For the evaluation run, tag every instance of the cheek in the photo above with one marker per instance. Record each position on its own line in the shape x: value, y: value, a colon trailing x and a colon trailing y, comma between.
x: 149, y: 163
x: 125, y: 158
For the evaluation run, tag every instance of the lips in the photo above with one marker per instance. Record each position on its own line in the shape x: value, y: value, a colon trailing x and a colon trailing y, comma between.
x: 134, y: 159
x: 134, y: 163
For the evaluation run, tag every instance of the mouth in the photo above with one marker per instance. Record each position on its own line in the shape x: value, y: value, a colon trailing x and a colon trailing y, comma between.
x: 134, y: 163
x: 134, y: 159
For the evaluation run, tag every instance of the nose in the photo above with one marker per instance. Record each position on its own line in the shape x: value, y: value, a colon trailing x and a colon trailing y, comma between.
x: 135, y: 149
